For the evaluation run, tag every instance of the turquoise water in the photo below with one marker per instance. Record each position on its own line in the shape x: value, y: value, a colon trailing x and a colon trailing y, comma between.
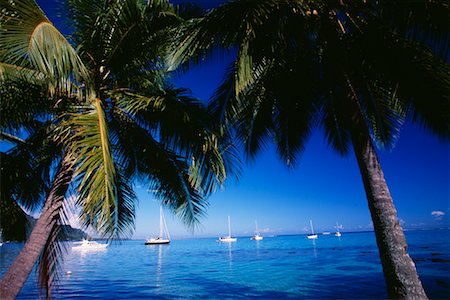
x: 276, y: 267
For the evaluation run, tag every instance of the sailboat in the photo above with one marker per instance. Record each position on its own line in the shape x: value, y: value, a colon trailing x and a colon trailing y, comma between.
x: 161, y: 239
x: 338, y: 234
x: 311, y: 236
x: 228, y: 239
x: 257, y: 236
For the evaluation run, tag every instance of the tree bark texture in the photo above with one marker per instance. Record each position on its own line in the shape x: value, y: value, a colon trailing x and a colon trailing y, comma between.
x: 17, y: 274
x: 399, y: 269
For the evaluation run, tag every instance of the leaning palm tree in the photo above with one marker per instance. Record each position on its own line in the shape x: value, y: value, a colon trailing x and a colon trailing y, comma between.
x: 355, y: 69
x: 110, y: 118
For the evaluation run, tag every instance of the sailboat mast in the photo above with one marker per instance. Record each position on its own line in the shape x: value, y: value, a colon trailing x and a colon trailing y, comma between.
x: 312, y: 229
x: 256, y: 227
x: 160, y: 222
x: 229, y: 227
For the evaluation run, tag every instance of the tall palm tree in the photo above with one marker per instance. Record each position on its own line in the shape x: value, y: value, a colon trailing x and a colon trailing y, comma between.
x: 355, y: 69
x: 109, y: 118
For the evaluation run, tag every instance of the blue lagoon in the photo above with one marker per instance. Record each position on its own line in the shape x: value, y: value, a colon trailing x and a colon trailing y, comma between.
x: 345, y: 267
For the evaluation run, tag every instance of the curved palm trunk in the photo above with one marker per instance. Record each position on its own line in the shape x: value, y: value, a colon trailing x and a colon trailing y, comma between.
x: 399, y: 269
x: 17, y: 274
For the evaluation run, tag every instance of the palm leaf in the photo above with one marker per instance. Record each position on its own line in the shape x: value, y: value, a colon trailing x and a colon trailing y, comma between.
x: 88, y: 137
x: 30, y: 40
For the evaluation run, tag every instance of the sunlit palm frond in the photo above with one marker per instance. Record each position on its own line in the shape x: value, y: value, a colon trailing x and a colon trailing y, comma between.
x: 88, y: 136
x: 29, y: 39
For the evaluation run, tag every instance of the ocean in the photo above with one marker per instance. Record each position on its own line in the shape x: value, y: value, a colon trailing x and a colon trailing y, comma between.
x: 276, y: 267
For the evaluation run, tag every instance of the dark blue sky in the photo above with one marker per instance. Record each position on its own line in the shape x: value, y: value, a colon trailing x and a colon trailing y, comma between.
x: 323, y: 186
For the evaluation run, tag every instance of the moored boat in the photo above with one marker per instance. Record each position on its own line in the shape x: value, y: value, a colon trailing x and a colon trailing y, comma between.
x: 311, y: 236
x: 89, y: 245
x: 229, y: 238
x: 164, y: 236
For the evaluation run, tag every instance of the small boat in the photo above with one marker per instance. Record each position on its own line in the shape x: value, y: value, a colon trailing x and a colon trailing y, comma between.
x: 311, y: 236
x: 338, y: 234
x: 89, y: 245
x: 326, y: 233
x: 257, y: 236
x: 161, y: 239
x: 228, y: 239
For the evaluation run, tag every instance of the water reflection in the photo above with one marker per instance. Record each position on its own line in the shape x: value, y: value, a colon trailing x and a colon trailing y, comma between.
x: 314, y: 248
x: 158, y: 250
x: 257, y: 249
x: 230, y: 256
x: 159, y: 265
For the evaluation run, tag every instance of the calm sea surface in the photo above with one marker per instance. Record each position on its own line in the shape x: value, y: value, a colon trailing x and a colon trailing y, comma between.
x: 276, y: 267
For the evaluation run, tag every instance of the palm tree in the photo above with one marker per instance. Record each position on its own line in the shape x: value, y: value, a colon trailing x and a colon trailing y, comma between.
x: 108, y: 118
x: 355, y: 69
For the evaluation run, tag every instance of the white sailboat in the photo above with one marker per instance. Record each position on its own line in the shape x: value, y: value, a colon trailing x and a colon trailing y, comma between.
x: 161, y: 239
x: 257, y: 236
x: 311, y: 236
x: 338, y: 234
x: 228, y: 239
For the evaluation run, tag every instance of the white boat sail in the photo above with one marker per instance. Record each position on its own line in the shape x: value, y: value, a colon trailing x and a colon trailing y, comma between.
x: 228, y: 239
x: 338, y: 234
x: 257, y: 236
x: 161, y: 239
x: 311, y: 236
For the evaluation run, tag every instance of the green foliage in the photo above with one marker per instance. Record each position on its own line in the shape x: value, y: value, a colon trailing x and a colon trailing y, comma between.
x: 110, y: 112
x: 302, y: 64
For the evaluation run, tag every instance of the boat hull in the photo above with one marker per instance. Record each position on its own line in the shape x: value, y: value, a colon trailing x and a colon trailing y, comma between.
x: 311, y: 236
x: 90, y: 245
x: 256, y: 238
x: 227, y: 239
x: 157, y: 242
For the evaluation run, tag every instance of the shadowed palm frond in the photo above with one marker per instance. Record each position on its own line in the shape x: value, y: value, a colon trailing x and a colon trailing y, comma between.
x: 50, y: 261
x: 22, y: 103
x: 420, y: 81
x: 14, y: 221
x: 422, y: 21
x: 231, y: 24
x: 26, y: 169
x: 168, y: 177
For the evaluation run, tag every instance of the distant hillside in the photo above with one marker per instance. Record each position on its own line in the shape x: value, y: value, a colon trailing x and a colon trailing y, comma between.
x: 71, y: 233
x: 74, y: 233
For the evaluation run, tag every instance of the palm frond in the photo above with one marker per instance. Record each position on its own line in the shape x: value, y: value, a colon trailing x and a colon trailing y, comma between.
x: 50, y: 261
x: 422, y: 80
x: 230, y: 24
x: 99, y: 187
x: 14, y: 221
x: 30, y: 40
x: 423, y: 22
x: 26, y: 169
x: 167, y: 175
x: 22, y: 103
x: 335, y: 125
